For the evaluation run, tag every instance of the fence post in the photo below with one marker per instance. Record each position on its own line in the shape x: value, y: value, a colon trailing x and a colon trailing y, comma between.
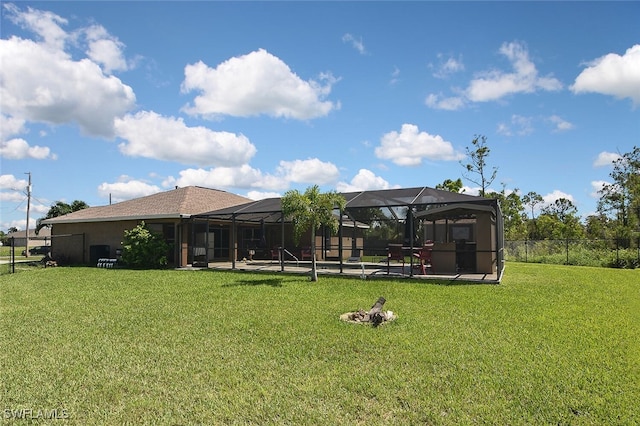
x: 12, y: 255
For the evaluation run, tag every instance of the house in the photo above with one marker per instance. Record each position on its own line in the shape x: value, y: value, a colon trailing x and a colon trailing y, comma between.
x: 207, y: 225
x: 84, y: 236
x: 42, y: 238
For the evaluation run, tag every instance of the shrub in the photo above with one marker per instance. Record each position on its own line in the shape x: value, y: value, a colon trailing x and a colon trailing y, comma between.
x: 143, y: 248
x: 624, y: 259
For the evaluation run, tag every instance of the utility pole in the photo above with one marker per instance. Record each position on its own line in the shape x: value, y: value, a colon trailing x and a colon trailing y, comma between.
x: 26, y: 250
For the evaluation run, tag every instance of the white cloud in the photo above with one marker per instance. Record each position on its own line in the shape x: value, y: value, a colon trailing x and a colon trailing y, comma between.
x: 561, y: 125
x: 244, y: 176
x: 556, y: 195
x: 299, y: 171
x: 39, y: 208
x: 258, y: 195
x: 476, y: 190
x: 410, y: 146
x: 254, y: 84
x: 524, y: 125
x: 473, y: 190
x: 519, y: 125
x: 494, y: 85
x: 10, y: 126
x: 606, y: 159
x: 355, y: 43
x: 395, y: 76
x: 613, y: 75
x: 19, y: 224
x: 363, y: 181
x: 12, y: 197
x: 126, y: 189
x: 597, y: 186
x: 11, y: 182
x: 447, y: 66
x: 311, y: 170
x: 38, y: 84
x: 17, y: 149
x: 148, y: 134
x: 12, y: 189
x: 452, y: 103
x: 47, y: 25
x: 105, y: 49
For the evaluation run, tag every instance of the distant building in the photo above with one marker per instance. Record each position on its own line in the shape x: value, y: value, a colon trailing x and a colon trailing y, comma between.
x: 42, y: 238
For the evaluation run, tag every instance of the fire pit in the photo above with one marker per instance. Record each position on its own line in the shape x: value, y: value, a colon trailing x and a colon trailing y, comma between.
x: 375, y: 316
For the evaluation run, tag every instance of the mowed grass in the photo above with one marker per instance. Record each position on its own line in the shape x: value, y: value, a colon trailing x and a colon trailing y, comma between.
x: 551, y: 344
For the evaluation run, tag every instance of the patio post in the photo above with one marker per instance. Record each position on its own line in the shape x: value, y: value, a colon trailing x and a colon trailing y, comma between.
x: 233, y: 241
x: 281, y: 248
x: 340, y: 241
x: 411, y: 231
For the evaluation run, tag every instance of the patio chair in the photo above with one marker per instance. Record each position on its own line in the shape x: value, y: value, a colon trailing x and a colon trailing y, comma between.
x: 305, y: 253
x: 394, y: 252
x: 424, y: 256
x: 275, y: 253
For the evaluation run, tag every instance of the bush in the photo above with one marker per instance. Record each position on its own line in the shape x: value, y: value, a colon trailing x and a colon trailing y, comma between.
x: 598, y: 253
x: 143, y: 248
x: 624, y: 259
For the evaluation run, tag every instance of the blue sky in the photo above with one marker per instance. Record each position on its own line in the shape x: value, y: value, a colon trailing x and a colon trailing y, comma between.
x: 126, y: 99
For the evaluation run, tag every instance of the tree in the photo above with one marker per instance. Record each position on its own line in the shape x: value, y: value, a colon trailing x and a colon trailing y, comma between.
x: 310, y: 211
x: 478, y: 164
x: 451, y: 185
x: 565, y: 214
x: 597, y: 226
x: 532, y: 199
x: 621, y: 199
x: 512, y: 212
x: 143, y: 248
x: 60, y: 208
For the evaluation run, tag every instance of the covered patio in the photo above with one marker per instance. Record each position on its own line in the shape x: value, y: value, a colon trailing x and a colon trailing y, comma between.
x: 362, y: 270
x: 464, y: 235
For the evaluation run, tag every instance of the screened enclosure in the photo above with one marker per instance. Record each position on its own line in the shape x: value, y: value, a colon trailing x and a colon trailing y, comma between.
x: 466, y: 231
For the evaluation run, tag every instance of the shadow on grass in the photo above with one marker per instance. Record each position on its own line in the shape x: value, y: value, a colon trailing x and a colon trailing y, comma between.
x: 271, y: 282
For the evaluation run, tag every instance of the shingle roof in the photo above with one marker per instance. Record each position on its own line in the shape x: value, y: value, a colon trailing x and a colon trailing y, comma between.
x: 172, y: 204
x: 44, y: 233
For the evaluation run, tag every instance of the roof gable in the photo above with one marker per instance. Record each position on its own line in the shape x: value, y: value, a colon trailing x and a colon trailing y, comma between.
x: 176, y: 203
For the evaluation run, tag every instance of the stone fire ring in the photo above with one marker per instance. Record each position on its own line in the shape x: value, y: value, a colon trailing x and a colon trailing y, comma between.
x: 362, y: 317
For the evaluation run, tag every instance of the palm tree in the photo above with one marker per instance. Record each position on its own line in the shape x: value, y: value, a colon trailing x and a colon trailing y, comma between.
x: 309, y: 211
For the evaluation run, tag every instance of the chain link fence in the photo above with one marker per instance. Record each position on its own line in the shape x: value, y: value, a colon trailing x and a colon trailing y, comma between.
x: 611, y: 253
x: 64, y: 250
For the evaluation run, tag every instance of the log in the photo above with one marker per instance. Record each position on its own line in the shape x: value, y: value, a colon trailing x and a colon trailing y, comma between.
x: 376, y: 317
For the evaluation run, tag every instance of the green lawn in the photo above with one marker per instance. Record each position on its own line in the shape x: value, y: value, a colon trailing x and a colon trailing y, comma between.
x: 550, y: 345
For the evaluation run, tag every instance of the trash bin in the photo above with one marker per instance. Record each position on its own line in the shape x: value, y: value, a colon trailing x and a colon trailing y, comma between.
x: 98, y: 252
